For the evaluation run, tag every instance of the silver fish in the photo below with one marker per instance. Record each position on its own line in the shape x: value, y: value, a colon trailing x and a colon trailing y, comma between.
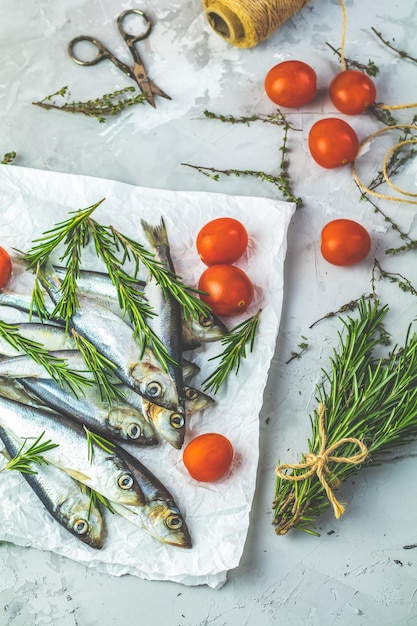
x: 167, y: 325
x: 115, y: 340
x: 103, y: 471
x: 118, y: 419
x: 51, y: 336
x: 195, y: 331
x: 62, y: 496
x: 160, y: 516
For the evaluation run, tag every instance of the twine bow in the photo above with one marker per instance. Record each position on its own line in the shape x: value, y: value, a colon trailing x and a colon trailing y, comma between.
x: 319, y: 463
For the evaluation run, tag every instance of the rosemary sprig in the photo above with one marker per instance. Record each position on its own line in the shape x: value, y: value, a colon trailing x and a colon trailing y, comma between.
x: 369, y: 398
x: 56, y: 367
x: 109, y: 104
x: 8, y: 158
x: 28, y: 454
x: 170, y: 282
x: 95, y: 499
x: 93, y: 439
x: 234, y: 343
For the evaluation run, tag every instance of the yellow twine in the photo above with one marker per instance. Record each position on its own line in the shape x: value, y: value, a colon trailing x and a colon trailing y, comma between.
x: 245, y: 23
x: 387, y: 156
x: 344, y: 25
x: 319, y: 463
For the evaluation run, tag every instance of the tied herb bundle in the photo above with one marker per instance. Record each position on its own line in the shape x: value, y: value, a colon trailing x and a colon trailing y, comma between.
x: 366, y: 405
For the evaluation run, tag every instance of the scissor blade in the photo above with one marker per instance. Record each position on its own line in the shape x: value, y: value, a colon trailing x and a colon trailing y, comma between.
x: 146, y: 85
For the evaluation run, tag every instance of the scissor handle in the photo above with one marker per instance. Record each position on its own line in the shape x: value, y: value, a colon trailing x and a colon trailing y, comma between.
x: 102, y: 52
x: 128, y: 37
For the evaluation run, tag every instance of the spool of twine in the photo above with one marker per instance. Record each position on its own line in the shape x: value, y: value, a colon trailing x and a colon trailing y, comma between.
x: 245, y: 23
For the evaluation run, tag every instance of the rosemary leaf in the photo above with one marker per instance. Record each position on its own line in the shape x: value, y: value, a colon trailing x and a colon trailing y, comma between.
x: 234, y: 343
x: 94, y: 439
x: 56, y: 367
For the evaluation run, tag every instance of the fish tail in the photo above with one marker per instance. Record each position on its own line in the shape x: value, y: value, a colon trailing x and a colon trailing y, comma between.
x: 156, y: 235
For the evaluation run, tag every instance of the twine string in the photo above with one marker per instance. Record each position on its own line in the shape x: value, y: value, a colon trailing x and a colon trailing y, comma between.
x: 408, y: 195
x: 248, y: 22
x: 319, y: 463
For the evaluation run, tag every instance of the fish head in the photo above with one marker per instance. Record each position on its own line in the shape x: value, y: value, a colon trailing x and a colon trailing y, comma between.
x: 189, y: 369
x: 206, y: 327
x: 130, y: 424
x: 166, y: 523
x: 196, y: 400
x: 119, y: 483
x: 82, y: 518
x: 153, y: 383
x: 169, y: 424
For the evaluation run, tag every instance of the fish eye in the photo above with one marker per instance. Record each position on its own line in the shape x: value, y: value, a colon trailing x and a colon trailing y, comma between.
x: 173, y: 521
x: 125, y: 481
x: 133, y: 431
x: 154, y: 389
x: 206, y: 320
x: 191, y: 394
x: 177, y: 420
x: 80, y: 526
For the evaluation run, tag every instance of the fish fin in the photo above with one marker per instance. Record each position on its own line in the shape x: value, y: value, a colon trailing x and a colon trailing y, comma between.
x: 82, y: 478
x: 156, y: 235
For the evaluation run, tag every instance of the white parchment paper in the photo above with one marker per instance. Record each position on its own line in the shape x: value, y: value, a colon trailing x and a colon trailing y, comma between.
x: 217, y: 514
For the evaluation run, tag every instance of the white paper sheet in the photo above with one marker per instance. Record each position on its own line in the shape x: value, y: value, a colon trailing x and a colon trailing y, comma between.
x: 217, y: 514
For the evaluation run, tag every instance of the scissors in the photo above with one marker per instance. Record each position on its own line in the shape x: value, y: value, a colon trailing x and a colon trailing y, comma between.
x: 137, y: 72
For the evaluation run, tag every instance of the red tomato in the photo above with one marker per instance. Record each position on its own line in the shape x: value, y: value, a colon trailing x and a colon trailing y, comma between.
x: 228, y: 290
x: 352, y: 92
x: 333, y: 143
x: 222, y: 240
x: 344, y: 242
x: 208, y: 457
x: 5, y: 267
x: 291, y: 84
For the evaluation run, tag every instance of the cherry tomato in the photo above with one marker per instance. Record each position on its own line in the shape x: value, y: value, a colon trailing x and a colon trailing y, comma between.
x: 344, y: 242
x: 291, y: 84
x: 333, y: 142
x: 208, y: 457
x: 229, y: 290
x: 5, y: 267
x: 222, y: 240
x: 352, y: 92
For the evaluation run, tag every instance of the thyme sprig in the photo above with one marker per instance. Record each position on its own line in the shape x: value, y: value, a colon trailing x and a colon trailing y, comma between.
x: 235, y: 344
x: 369, y: 398
x: 29, y: 454
x: 403, y: 54
x: 370, y: 68
x: 282, y: 181
x: 109, y: 104
x: 56, y: 367
x: 8, y: 158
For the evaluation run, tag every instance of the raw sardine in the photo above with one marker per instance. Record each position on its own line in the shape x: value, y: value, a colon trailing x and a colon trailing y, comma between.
x: 103, y: 471
x: 62, y: 496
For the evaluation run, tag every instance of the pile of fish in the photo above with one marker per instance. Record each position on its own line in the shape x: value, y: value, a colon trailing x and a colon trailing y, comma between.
x: 154, y: 403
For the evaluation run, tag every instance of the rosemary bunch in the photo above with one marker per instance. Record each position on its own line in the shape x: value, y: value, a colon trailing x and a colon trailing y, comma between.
x: 108, y: 104
x: 365, y: 406
x: 234, y: 343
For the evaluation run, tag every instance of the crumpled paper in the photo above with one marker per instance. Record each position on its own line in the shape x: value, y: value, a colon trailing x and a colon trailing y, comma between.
x: 217, y: 514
